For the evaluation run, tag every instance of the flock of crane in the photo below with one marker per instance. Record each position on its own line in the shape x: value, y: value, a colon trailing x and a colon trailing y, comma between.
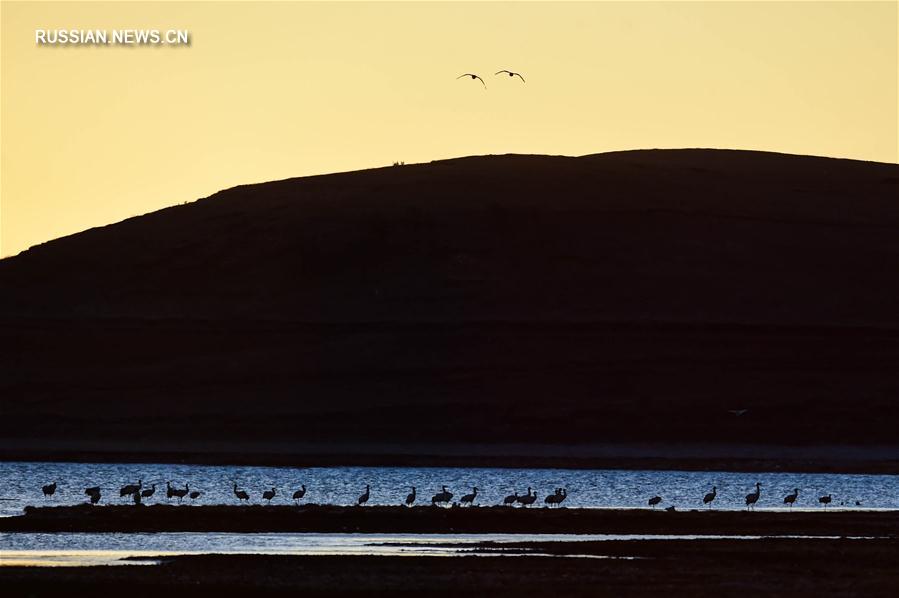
x: 137, y: 492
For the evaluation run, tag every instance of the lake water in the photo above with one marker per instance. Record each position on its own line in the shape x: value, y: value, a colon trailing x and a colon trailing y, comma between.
x: 20, y: 485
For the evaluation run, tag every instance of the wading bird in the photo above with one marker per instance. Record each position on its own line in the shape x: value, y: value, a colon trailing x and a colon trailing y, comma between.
x: 269, y: 495
x: 654, y: 501
x: 789, y: 499
x: 241, y: 494
x: 708, y: 498
x: 511, y: 499
x: 410, y: 498
x: 49, y: 489
x: 149, y: 491
x: 180, y: 493
x: 824, y: 500
x: 556, y: 498
x: 444, y: 496
x: 469, y: 498
x: 753, y: 497
x: 94, y: 494
x: 511, y: 74
x: 363, y: 498
x: 473, y: 76
x: 299, y: 494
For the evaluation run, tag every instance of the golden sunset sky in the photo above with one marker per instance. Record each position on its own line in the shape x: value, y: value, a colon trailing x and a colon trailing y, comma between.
x: 93, y: 135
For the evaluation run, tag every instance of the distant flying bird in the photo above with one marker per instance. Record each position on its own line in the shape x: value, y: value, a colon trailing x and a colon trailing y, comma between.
x: 473, y: 76
x: 737, y: 412
x: 511, y: 74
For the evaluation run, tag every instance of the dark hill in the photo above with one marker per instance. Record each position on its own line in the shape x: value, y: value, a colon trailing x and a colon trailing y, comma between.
x: 631, y: 296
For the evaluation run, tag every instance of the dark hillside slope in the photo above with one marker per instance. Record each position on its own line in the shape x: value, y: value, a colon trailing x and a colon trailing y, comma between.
x: 632, y: 296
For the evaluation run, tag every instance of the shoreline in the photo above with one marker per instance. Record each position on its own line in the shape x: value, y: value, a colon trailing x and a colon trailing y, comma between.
x: 313, y: 518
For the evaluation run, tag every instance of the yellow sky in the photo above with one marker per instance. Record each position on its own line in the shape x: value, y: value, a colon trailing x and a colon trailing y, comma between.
x: 92, y: 135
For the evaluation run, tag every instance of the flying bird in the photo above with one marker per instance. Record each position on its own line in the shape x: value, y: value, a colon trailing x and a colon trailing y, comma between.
x: 473, y: 76
x: 511, y: 74
x: 737, y: 412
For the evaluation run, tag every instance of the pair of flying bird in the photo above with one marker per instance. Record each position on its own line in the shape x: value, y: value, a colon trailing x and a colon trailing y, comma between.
x: 473, y: 76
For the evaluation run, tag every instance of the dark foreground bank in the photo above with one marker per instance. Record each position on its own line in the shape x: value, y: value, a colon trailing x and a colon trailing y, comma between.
x: 773, y: 567
x: 426, y: 519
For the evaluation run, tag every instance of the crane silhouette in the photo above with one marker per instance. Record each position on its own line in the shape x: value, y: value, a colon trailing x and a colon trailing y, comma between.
x: 789, y: 499
x: 49, y: 489
x: 410, y: 498
x: 269, y: 495
x: 365, y: 496
x: 825, y: 500
x: 473, y: 76
x: 511, y: 499
x: 148, y: 492
x: 469, y: 498
x: 753, y: 497
x: 129, y: 489
x: 654, y: 501
x: 511, y: 74
x: 528, y: 499
x: 299, y: 494
x: 241, y: 494
x: 708, y: 498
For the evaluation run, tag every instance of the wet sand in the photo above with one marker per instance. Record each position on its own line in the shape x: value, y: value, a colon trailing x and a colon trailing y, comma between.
x: 428, y: 519
x: 773, y: 567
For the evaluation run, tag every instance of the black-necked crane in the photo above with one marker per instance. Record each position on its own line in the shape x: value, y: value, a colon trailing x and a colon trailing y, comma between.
x: 511, y: 74
x: 473, y: 76
x: 241, y: 494
x: 654, y: 501
x: 410, y: 498
x: 129, y: 489
x: 444, y: 496
x: 148, y: 492
x: 194, y: 494
x: 269, y: 494
x: 753, y: 497
x: 789, y: 499
x: 363, y: 498
x: 180, y: 493
x: 299, y: 494
x: 49, y: 489
x: 469, y: 498
x: 528, y: 499
x: 825, y: 500
x: 711, y: 496
x: 169, y: 491
x: 511, y: 499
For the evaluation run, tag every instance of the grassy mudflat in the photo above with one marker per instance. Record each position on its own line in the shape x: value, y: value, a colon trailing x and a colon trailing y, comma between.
x: 426, y: 519
x: 773, y: 567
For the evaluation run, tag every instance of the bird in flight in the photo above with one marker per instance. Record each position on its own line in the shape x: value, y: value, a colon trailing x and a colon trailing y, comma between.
x: 473, y: 76
x: 511, y: 74
x: 737, y: 412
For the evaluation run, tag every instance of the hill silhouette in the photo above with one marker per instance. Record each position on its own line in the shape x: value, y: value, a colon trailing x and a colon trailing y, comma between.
x: 620, y: 297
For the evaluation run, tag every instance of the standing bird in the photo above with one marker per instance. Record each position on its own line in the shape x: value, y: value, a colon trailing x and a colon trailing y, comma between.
x: 269, y: 495
x: 444, y: 496
x: 528, y: 499
x: 169, y: 491
x: 654, y: 501
x: 511, y: 499
x: 241, y: 494
x: 148, y: 492
x: 194, y: 494
x: 180, y: 493
x: 299, y: 494
x: 556, y: 498
x: 469, y: 498
x: 511, y: 74
x: 410, y: 498
x: 363, y: 498
x: 789, y: 499
x: 753, y: 497
x: 94, y: 494
x: 473, y: 76
x: 708, y: 498
x: 129, y: 489
x: 49, y: 489
x: 824, y: 500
